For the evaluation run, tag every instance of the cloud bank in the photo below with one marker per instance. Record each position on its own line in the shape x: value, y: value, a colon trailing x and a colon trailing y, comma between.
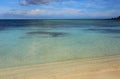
x: 42, y: 13
x: 35, y: 2
x: 60, y: 13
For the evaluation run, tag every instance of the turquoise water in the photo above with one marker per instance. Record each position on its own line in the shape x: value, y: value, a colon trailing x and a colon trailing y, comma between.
x: 27, y: 42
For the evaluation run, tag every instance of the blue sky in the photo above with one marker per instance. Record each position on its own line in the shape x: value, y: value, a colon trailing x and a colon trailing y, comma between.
x: 59, y: 9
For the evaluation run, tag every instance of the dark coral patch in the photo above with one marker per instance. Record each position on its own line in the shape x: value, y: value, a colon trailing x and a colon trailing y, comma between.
x: 52, y: 34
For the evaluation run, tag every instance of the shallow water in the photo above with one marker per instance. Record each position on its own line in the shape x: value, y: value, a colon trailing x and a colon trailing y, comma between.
x: 24, y: 42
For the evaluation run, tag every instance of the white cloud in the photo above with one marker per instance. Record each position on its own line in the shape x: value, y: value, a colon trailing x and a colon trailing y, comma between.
x: 34, y: 12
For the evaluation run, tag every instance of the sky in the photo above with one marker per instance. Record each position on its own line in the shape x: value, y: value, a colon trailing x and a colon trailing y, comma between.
x: 59, y: 9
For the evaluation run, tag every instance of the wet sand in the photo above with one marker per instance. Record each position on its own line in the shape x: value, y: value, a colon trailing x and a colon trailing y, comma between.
x: 88, y: 68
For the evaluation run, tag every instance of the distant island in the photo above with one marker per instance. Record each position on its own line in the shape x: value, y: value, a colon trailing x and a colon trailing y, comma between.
x: 116, y: 18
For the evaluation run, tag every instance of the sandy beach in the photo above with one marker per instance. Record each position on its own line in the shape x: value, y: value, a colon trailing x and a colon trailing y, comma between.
x: 88, y: 68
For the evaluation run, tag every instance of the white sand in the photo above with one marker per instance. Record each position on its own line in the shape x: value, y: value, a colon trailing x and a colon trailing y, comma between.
x: 92, y: 68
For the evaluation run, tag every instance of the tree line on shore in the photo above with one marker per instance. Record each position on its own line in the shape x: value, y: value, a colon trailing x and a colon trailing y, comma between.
x: 116, y: 18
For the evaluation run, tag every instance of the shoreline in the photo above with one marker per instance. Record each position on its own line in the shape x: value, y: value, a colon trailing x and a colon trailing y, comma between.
x: 72, y: 69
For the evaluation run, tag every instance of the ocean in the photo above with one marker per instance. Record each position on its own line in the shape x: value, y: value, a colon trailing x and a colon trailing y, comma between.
x: 29, y: 42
